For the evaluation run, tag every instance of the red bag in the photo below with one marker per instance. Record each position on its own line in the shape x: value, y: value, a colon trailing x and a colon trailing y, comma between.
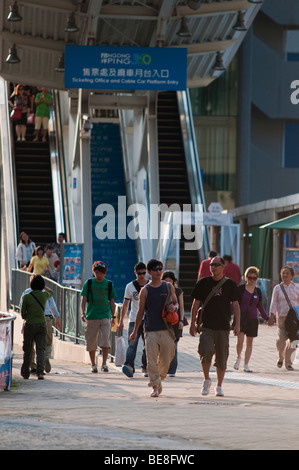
x: 16, y: 113
x: 171, y: 317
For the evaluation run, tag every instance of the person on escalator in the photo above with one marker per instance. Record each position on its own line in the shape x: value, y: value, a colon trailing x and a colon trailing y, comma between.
x: 43, y: 101
x: 19, y: 99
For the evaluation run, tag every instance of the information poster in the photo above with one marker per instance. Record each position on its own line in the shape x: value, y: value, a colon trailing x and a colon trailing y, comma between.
x: 71, y: 264
x: 130, y: 68
x: 5, y: 354
x: 291, y: 258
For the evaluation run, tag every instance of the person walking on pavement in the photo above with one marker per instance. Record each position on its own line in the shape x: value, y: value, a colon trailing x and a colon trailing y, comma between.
x: 204, y: 268
x: 35, y: 330
x: 159, y: 343
x: 279, y: 308
x: 50, y: 312
x: 250, y: 305
x: 215, y: 322
x: 169, y: 276
x: 132, y: 295
x: 98, y: 295
x: 231, y: 270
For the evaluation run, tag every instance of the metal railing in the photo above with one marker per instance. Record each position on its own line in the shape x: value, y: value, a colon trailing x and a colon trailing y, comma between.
x: 68, y: 301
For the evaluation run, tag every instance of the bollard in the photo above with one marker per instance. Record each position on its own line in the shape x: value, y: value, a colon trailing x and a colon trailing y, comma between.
x: 6, y: 352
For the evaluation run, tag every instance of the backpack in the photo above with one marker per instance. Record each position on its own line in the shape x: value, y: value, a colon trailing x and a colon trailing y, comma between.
x: 89, y: 292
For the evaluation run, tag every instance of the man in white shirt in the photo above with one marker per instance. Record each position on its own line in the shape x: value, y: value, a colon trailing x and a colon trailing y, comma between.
x: 132, y: 295
x: 279, y: 307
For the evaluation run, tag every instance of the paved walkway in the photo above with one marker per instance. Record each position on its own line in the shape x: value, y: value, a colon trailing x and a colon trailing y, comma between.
x: 74, y: 409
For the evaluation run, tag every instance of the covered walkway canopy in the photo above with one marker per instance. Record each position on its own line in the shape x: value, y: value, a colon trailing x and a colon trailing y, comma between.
x: 287, y: 223
x: 209, y: 29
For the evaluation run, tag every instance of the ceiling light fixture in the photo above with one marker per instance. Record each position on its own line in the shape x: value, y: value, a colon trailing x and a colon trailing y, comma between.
x: 14, y: 13
x: 184, y: 31
x: 240, y: 25
x: 71, y: 26
x: 219, y: 65
x: 60, y: 67
x: 12, y: 57
x: 194, y: 4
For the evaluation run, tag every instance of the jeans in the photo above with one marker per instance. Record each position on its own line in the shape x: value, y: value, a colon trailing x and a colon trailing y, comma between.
x: 34, y: 333
x: 132, y: 348
x: 174, y: 363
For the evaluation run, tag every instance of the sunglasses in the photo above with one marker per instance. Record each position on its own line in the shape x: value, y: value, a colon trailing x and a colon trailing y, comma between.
x: 100, y: 265
x: 216, y: 264
x: 141, y: 274
x: 253, y: 278
x: 157, y: 269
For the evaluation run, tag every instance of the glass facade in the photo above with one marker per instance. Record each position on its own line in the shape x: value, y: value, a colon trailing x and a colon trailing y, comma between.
x: 215, y: 111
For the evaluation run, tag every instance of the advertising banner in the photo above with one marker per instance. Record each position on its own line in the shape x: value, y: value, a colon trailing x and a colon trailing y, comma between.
x: 5, y: 354
x: 71, y: 264
x: 129, y: 68
x: 291, y: 257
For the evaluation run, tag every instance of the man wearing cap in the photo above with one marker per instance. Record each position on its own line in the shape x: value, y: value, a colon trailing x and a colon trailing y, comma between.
x: 98, y: 295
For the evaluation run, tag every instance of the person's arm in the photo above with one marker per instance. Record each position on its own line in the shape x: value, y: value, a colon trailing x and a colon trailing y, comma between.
x: 124, y: 312
x: 236, y: 313
x: 181, y: 310
x: 140, y: 313
x: 174, y: 304
x: 194, y: 308
x: 83, y: 307
x: 112, y: 310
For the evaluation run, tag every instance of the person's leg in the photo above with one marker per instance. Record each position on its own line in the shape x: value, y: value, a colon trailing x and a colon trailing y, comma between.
x: 166, y: 353
x: 49, y: 341
x: 91, y: 339
x: 174, y: 363
x: 40, y: 344
x: 132, y: 347
x: 28, y: 336
x: 239, y: 348
x: 281, y: 340
x: 105, y: 335
x: 221, y: 341
x: 248, y: 350
x: 152, y: 354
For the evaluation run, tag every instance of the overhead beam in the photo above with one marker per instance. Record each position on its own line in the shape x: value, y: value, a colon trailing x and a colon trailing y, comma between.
x: 101, y: 101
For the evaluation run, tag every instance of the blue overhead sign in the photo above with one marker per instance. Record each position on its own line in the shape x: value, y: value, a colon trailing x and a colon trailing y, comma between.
x: 129, y: 68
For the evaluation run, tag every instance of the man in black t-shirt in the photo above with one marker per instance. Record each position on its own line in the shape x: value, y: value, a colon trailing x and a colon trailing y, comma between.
x: 215, y: 327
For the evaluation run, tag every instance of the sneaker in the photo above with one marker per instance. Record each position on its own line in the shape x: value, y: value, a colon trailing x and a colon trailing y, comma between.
x: 219, y: 391
x: 104, y: 368
x: 47, y: 365
x: 247, y: 368
x: 171, y: 375
x: 206, y: 387
x: 144, y: 371
x: 40, y: 376
x: 290, y: 367
x: 155, y: 393
x: 94, y: 369
x: 237, y: 363
x: 128, y: 371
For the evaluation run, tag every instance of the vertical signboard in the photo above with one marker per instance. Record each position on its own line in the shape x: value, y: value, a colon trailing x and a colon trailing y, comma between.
x: 6, y: 326
x: 71, y: 264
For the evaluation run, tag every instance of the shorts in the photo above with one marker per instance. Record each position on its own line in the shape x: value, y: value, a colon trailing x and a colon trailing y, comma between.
x: 41, y: 121
x: 214, y: 342
x: 92, y: 331
x: 249, y: 326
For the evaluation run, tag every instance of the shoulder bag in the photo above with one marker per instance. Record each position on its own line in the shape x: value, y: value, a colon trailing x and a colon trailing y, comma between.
x: 199, y: 314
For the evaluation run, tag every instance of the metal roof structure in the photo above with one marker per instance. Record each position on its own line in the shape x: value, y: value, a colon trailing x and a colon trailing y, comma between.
x: 40, y: 36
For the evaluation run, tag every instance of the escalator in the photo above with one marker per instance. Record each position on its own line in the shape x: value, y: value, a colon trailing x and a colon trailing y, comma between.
x: 174, y: 186
x: 35, y: 206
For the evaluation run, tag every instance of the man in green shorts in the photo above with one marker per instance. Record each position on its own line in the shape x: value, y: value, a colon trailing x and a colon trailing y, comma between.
x: 43, y: 101
x: 98, y: 294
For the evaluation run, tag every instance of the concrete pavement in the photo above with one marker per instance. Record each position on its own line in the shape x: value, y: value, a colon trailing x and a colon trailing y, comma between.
x: 75, y: 409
